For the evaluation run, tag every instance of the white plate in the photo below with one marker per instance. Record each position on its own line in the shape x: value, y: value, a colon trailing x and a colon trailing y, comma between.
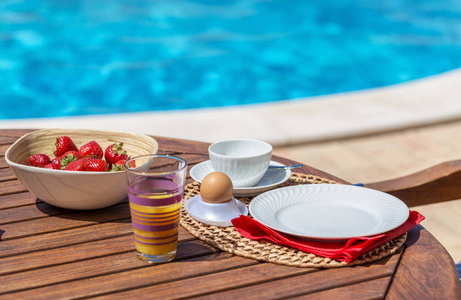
x: 329, y: 211
x: 271, y: 179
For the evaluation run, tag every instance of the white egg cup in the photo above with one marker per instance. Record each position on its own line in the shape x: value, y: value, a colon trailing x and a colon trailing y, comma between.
x: 244, y: 161
x: 218, y: 214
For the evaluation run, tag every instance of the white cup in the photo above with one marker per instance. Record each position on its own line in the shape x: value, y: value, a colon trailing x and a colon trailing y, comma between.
x: 244, y: 161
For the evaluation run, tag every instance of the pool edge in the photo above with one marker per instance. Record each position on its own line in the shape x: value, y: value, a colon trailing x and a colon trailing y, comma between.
x: 426, y: 101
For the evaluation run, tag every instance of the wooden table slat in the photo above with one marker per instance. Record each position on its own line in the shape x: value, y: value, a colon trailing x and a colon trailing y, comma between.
x: 87, y: 269
x: 424, y: 255
x: 7, y: 174
x: 6, y: 134
x: 317, y: 281
x: 61, y: 238
x: 3, y: 164
x: 146, y: 274
x: 29, y: 212
x: 372, y: 289
x: 6, y: 142
x: 11, y: 187
x: 224, y: 281
x: 18, y: 199
x: 4, y: 147
x: 64, y: 221
x: 75, y: 252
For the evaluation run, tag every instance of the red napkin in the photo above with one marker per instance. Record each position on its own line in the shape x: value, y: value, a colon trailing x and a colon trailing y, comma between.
x: 343, y: 251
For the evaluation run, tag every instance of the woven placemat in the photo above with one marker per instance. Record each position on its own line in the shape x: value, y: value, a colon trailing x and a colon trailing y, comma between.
x: 229, y: 239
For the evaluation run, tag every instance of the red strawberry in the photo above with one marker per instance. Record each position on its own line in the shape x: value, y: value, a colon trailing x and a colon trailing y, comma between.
x: 91, y: 149
x: 74, y: 153
x: 64, y: 144
x: 53, y: 166
x: 39, y: 160
x: 56, y: 160
x: 95, y: 165
x: 120, y: 165
x: 69, y: 157
x: 77, y: 165
x: 115, y: 153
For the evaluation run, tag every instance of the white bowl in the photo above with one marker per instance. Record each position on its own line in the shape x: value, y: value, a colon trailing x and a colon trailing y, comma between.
x: 244, y: 161
x: 72, y: 189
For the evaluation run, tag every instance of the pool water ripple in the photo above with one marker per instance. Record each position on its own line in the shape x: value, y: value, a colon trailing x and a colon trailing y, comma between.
x: 99, y: 57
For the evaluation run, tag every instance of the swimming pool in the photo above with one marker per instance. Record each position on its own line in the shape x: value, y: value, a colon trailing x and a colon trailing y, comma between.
x: 65, y: 58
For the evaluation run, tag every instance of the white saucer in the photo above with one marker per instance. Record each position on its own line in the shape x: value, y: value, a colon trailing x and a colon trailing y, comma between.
x: 219, y: 214
x: 271, y: 179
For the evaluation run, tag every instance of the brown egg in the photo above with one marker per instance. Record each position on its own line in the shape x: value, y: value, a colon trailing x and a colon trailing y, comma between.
x: 216, y: 187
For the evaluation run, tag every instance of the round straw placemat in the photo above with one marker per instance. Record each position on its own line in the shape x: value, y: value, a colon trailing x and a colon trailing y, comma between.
x: 229, y: 239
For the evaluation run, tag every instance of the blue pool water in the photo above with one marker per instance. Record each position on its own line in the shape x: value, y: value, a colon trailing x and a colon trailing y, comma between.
x: 62, y: 58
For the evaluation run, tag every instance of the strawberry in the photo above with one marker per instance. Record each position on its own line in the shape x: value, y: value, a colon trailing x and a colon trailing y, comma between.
x: 120, y: 165
x: 72, y: 152
x: 95, y: 165
x: 57, y: 160
x: 64, y: 144
x: 77, y: 165
x: 69, y: 157
x: 39, y: 160
x: 115, y: 153
x: 91, y: 149
x: 53, y: 166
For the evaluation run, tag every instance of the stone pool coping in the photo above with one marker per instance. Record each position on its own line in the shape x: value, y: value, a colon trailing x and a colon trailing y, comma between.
x: 421, y: 102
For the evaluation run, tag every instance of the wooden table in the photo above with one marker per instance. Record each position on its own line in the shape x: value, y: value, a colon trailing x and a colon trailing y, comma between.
x: 49, y: 252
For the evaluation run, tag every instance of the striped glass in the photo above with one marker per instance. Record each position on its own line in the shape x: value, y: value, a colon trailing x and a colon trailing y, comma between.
x: 155, y: 192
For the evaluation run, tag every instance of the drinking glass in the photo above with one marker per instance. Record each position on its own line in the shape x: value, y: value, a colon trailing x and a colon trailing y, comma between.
x: 155, y: 193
